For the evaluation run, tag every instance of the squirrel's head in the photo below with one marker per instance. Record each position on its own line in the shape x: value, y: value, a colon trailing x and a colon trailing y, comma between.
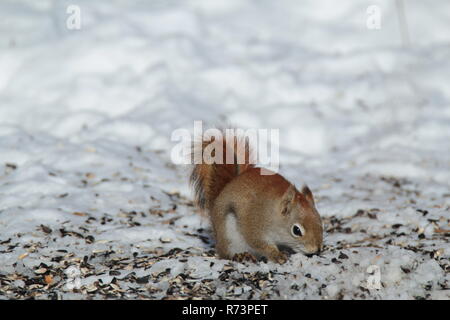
x: 301, y: 227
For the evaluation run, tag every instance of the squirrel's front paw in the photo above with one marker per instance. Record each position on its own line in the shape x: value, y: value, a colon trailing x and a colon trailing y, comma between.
x: 279, y: 257
x: 244, y: 256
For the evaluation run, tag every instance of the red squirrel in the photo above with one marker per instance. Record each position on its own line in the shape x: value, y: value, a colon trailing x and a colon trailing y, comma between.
x: 254, y: 213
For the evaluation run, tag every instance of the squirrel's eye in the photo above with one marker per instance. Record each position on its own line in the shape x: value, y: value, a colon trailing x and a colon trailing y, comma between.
x: 296, y: 230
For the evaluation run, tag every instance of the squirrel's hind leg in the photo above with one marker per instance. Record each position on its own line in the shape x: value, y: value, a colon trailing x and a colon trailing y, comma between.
x: 229, y: 240
x: 218, y: 223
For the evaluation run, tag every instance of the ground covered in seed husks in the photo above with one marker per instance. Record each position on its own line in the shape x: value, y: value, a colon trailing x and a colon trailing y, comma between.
x: 92, y: 207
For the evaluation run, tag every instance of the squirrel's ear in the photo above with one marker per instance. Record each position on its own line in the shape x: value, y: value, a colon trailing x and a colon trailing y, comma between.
x: 288, y: 200
x: 308, y: 194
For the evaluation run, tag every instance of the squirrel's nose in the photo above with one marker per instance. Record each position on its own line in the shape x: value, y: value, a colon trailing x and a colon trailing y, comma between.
x: 309, y: 255
x: 317, y: 252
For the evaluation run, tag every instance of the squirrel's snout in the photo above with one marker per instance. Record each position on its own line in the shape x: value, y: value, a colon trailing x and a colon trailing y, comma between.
x: 314, y: 253
x: 316, y: 250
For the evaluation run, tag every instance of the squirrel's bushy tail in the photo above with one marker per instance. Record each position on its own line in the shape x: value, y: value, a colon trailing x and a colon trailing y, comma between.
x: 209, y: 180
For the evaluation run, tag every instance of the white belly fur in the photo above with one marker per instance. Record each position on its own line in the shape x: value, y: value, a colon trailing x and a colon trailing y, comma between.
x: 237, y: 243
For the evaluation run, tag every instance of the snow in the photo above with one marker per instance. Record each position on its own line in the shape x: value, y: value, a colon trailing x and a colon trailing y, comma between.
x: 86, y: 118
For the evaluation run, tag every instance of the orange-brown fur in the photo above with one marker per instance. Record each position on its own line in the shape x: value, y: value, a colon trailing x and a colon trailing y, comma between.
x: 264, y: 208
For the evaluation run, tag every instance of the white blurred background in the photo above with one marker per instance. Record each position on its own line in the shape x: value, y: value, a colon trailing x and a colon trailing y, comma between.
x: 86, y: 117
